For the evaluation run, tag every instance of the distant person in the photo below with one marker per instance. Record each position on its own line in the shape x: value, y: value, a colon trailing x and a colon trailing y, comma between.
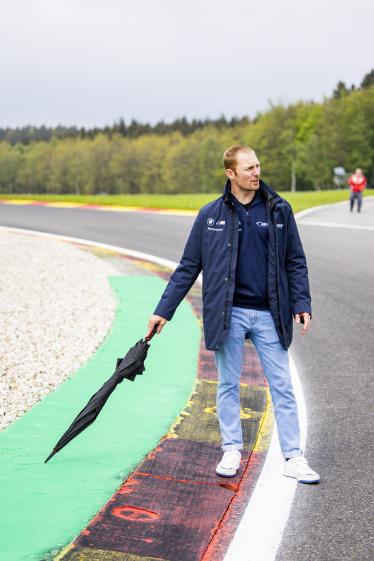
x: 255, y: 278
x: 357, y: 182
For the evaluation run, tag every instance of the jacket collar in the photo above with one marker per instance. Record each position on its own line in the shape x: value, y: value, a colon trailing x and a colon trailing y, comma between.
x: 270, y: 196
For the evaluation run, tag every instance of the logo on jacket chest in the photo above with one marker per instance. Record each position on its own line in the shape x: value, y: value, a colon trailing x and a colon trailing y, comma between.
x: 261, y: 224
x: 212, y: 222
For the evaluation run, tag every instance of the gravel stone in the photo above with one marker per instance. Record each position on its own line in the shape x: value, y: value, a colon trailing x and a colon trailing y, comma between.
x: 56, y: 308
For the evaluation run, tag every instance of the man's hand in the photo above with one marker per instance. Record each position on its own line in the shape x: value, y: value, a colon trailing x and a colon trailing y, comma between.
x: 153, y: 321
x: 304, y: 317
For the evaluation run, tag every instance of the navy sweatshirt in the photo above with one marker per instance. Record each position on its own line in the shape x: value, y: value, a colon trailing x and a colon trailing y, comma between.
x: 251, y: 284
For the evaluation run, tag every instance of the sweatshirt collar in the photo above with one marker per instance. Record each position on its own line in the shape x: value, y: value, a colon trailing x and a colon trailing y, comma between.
x: 257, y: 199
x: 270, y: 196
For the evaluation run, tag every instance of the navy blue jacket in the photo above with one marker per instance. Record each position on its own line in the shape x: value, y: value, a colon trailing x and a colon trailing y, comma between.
x: 212, y: 248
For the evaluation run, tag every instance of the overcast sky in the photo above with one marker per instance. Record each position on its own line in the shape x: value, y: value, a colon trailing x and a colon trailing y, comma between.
x: 89, y: 62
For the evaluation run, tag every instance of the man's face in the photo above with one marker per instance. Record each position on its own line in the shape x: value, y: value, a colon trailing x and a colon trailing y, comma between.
x: 247, y: 173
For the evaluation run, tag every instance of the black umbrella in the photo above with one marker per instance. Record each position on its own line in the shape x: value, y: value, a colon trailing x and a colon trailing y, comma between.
x: 128, y: 367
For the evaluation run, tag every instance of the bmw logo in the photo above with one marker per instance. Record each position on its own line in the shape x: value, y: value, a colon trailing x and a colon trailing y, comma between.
x: 210, y: 221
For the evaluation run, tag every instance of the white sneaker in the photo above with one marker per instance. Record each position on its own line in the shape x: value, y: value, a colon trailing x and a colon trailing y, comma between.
x: 299, y: 469
x: 229, y: 464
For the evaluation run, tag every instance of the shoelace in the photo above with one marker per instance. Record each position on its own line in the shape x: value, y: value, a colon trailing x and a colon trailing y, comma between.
x: 302, y: 463
x: 228, y: 455
x: 231, y: 452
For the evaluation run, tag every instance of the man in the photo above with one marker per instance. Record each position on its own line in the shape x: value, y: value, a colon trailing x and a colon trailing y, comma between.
x: 357, y: 182
x: 255, y: 279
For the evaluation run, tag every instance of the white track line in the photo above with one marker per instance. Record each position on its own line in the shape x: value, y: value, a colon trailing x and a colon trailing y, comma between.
x: 334, y: 225
x: 260, y: 530
x: 116, y: 248
x: 122, y: 250
x: 307, y: 211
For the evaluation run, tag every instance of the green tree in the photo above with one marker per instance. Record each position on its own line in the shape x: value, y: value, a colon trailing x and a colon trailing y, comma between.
x: 368, y: 80
x: 341, y: 90
x: 10, y: 161
x: 210, y: 163
x: 182, y: 171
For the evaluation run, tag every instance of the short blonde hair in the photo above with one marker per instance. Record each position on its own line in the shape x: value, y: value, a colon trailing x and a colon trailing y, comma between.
x: 230, y: 155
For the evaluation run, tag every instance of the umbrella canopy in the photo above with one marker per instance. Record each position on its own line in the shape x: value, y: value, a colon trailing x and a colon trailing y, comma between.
x: 128, y: 367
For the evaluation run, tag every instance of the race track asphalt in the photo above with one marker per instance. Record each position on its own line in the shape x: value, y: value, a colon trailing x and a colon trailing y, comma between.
x: 333, y: 520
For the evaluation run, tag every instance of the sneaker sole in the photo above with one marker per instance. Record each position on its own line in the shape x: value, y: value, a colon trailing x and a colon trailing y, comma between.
x: 310, y: 481
x: 226, y: 474
x: 302, y: 480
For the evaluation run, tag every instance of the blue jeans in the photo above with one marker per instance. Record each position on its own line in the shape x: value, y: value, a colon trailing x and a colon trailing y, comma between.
x: 356, y: 195
x: 259, y: 325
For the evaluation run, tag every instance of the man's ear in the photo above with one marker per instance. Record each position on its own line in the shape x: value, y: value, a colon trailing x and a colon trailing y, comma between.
x: 230, y: 174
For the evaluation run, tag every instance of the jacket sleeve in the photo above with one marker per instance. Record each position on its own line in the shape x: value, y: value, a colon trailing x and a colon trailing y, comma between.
x: 297, y: 270
x: 184, y: 275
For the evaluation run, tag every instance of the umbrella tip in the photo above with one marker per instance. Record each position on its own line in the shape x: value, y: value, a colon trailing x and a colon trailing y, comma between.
x: 50, y: 456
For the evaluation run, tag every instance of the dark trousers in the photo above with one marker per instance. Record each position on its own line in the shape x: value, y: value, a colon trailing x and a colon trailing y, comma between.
x: 356, y: 195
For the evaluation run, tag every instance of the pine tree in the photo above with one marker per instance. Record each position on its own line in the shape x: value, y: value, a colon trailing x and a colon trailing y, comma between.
x: 368, y: 80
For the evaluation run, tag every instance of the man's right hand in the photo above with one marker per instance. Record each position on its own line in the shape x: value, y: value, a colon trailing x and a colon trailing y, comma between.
x: 153, y: 321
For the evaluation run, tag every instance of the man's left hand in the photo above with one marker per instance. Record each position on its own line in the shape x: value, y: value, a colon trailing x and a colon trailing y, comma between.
x: 304, y: 317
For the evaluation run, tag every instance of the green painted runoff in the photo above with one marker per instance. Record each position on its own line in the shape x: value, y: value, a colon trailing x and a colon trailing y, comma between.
x: 44, y: 506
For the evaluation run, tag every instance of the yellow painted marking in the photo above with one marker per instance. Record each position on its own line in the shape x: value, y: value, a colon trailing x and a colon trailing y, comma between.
x: 179, y: 212
x: 244, y: 415
x: 62, y: 553
x: 17, y: 202
x: 93, y: 554
x: 149, y: 265
x: 64, y: 205
x: 211, y: 410
x: 98, y: 250
x: 266, y: 427
x: 171, y: 434
x: 119, y: 208
x: 108, y: 208
x: 199, y: 420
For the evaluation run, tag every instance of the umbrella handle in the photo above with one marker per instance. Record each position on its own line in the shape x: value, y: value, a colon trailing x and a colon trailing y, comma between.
x: 153, y: 332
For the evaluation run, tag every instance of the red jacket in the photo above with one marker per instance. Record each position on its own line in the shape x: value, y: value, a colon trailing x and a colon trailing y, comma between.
x: 357, y: 183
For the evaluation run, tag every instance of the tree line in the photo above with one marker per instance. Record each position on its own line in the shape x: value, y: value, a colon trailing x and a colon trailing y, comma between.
x: 300, y: 144
x: 134, y: 129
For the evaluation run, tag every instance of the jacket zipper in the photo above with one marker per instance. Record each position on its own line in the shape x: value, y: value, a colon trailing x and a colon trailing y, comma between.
x: 231, y: 242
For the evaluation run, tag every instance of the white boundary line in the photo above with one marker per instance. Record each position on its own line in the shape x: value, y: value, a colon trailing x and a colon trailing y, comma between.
x: 334, y: 225
x: 260, y: 530
x: 116, y: 248
x: 299, y: 215
x: 312, y: 209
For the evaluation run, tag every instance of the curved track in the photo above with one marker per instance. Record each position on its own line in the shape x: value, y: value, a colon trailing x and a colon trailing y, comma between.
x: 335, y: 360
